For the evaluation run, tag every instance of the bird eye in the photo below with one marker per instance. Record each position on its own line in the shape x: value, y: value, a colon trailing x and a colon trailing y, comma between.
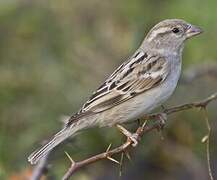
x: 175, y: 30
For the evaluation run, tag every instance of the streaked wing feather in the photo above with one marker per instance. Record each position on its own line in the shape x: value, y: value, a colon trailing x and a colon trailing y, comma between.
x: 137, y: 75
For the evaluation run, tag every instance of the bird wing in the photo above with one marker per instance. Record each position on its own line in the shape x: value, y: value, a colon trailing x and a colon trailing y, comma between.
x: 140, y: 73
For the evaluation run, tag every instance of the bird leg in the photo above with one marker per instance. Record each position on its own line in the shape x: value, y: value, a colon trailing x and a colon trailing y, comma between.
x: 161, y: 120
x: 138, y: 122
x: 133, y: 137
x: 163, y: 107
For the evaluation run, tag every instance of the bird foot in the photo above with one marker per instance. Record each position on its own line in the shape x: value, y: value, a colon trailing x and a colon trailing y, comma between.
x: 132, y: 137
x: 161, y: 120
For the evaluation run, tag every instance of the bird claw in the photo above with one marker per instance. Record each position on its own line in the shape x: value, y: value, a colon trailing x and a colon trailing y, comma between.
x: 132, y: 137
x: 161, y: 118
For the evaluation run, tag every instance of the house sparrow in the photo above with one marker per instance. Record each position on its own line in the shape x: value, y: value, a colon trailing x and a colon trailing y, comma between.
x: 140, y: 84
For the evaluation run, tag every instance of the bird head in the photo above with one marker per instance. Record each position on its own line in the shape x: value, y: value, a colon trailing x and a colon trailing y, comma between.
x: 170, y: 34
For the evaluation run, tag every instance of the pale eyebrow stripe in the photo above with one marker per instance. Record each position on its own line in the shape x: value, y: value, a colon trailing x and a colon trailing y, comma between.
x: 154, y: 33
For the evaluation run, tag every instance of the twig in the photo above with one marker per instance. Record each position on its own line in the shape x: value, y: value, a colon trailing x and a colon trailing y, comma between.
x: 40, y: 169
x: 207, y: 141
x: 140, y: 132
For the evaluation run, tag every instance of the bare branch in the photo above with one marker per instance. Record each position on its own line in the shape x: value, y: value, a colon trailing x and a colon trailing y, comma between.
x: 41, y: 168
x: 207, y: 141
x: 145, y: 128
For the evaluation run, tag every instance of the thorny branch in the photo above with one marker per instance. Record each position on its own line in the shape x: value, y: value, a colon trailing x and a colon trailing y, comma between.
x: 189, y: 76
x: 140, y: 132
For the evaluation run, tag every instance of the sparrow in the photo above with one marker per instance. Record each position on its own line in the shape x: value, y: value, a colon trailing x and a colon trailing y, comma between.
x: 139, y: 85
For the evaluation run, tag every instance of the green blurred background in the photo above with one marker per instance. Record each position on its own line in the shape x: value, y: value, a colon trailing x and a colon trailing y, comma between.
x: 53, y: 54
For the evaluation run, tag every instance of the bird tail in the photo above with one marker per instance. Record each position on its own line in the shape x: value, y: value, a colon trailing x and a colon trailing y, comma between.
x: 57, y: 139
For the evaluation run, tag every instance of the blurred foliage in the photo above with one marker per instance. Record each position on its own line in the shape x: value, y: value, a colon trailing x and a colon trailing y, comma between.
x: 53, y: 54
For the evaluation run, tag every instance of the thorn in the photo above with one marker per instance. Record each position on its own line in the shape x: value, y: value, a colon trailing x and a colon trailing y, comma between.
x: 204, y: 139
x: 128, y: 155
x: 108, y: 148
x: 123, y: 130
x: 121, y: 164
x: 113, y: 160
x: 69, y: 157
x: 144, y: 124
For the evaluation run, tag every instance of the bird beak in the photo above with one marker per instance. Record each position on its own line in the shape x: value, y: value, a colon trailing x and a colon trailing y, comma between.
x: 193, y: 31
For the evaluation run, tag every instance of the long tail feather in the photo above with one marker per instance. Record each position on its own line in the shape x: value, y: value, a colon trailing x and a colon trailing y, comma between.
x: 57, y: 139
